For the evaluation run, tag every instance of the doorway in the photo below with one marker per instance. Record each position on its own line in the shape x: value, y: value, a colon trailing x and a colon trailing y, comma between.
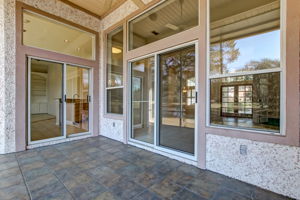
x: 163, y: 100
x: 59, y: 100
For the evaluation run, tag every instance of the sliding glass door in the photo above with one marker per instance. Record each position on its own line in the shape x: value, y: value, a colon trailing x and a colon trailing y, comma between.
x: 163, y: 100
x: 77, y: 99
x: 59, y: 98
x: 142, y: 95
x: 177, y: 99
x: 45, y: 100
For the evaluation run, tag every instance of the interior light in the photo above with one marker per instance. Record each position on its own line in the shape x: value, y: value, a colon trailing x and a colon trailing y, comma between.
x: 115, y: 50
x: 66, y: 41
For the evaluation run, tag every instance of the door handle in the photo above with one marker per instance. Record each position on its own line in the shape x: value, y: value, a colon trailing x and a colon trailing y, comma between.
x: 196, y: 99
x: 89, y: 98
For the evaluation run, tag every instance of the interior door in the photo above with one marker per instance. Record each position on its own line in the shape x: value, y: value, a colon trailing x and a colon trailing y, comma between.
x: 77, y: 100
x: 45, y: 100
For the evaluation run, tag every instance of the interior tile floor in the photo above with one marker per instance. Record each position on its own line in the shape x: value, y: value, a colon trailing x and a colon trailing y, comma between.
x: 44, y: 126
x: 102, y: 169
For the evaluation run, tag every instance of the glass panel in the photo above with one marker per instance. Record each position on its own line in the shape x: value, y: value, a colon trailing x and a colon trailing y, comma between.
x: 115, y: 100
x: 177, y: 116
x: 169, y: 18
x: 115, y: 71
x: 77, y: 101
x: 260, y: 111
x: 245, y: 35
x: 46, y: 109
x: 48, y: 34
x: 143, y: 106
x: 115, y: 58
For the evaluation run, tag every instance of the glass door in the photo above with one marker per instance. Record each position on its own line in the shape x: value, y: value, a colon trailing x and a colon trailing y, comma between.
x: 163, y: 101
x: 77, y: 100
x: 142, y: 100
x: 177, y: 98
x: 45, y: 97
x: 59, y: 98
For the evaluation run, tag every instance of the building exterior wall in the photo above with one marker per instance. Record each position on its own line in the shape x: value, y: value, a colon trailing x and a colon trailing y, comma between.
x: 8, y: 58
x: 7, y: 76
x: 270, y: 166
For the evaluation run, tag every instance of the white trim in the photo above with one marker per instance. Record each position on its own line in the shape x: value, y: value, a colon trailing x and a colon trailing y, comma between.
x: 117, y: 87
x: 264, y: 71
x: 281, y: 70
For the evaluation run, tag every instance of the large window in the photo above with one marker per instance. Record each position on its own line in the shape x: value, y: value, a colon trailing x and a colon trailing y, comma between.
x: 114, y: 72
x: 44, y: 33
x: 245, y: 65
x: 169, y: 18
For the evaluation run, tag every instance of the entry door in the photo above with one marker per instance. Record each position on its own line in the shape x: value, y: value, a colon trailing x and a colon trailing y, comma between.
x: 46, y: 100
x: 59, y: 98
x: 78, y: 100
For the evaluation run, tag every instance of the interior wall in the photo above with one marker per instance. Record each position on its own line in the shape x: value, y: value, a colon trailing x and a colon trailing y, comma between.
x: 54, y: 88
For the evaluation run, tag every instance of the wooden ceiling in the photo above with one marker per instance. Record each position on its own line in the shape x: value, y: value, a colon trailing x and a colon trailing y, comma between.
x: 99, y: 8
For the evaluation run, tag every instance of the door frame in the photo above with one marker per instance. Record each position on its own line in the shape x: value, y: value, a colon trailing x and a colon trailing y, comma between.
x: 64, y: 90
x: 155, y: 145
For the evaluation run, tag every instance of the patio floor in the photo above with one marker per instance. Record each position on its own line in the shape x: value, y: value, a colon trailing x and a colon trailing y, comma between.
x: 100, y: 168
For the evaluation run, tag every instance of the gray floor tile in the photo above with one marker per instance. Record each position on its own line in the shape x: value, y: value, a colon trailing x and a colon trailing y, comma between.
x: 103, y: 169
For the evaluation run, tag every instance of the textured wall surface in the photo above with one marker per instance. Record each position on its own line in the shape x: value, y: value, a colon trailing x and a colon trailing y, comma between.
x: 270, y: 166
x: 65, y: 11
x: 8, y: 58
x: 7, y: 76
x: 120, y: 13
x: 2, y: 77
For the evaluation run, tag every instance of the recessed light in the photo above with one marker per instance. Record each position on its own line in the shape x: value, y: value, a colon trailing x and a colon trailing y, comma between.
x: 66, y: 41
x: 115, y: 50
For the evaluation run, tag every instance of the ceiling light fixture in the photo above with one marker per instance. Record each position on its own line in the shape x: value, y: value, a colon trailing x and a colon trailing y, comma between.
x: 115, y: 50
x: 66, y: 40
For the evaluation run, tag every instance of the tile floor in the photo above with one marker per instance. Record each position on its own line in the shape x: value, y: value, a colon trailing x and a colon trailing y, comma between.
x: 102, y: 169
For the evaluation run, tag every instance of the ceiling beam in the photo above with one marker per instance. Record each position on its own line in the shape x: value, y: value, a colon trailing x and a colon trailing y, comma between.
x: 80, y: 8
x: 139, y: 3
x: 113, y: 8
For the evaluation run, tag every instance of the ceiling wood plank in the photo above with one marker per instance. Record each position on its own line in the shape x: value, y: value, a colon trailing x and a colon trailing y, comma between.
x: 139, y: 3
x: 113, y: 8
x: 80, y: 8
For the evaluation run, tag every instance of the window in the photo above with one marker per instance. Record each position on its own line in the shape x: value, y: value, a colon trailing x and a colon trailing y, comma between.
x: 245, y: 68
x: 44, y: 33
x: 114, y: 72
x: 169, y: 18
x: 237, y: 100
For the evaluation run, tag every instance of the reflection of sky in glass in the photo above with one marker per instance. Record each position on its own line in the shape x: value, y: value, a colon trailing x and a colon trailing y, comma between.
x: 256, y: 48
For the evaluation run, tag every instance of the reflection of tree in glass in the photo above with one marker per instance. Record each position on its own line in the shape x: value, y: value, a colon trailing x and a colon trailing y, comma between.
x: 259, y: 65
x: 222, y: 54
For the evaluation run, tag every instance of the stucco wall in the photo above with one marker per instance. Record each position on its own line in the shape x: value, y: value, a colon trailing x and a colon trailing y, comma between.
x: 111, y: 127
x: 8, y: 58
x: 7, y: 76
x: 270, y: 166
x: 2, y: 90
